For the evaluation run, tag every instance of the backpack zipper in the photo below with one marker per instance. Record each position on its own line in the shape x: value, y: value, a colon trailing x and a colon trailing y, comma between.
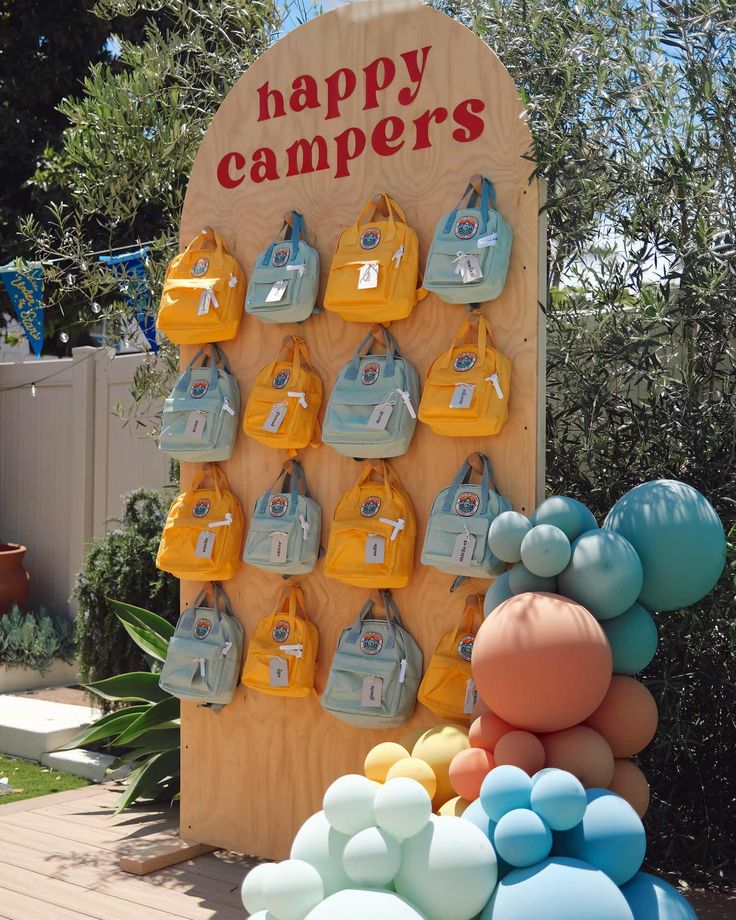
x: 305, y: 525
x: 398, y: 256
x: 226, y: 407
x: 496, y: 385
x: 226, y: 523
x: 398, y: 526
x: 295, y: 650
x: 402, y: 671
x: 301, y: 396
x: 225, y: 649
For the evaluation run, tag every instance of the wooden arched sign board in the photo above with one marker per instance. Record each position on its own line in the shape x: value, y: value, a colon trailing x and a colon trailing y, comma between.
x: 252, y: 774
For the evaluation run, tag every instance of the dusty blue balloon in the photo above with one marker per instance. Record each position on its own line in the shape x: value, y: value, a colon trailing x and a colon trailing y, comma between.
x: 679, y: 538
x: 652, y: 899
x: 505, y: 788
x: 558, y: 798
x: 522, y: 838
x: 570, y: 515
x: 545, y: 550
x: 477, y: 816
x: 522, y: 580
x: 604, y: 574
x: 633, y: 639
x: 499, y: 592
x: 506, y: 533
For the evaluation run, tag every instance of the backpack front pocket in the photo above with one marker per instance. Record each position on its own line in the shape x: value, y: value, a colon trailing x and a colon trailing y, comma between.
x: 190, y: 305
x: 196, y: 667
x: 178, y: 431
x: 347, y: 695
x: 274, y: 543
x: 445, y: 686
x: 193, y: 548
x: 443, y: 535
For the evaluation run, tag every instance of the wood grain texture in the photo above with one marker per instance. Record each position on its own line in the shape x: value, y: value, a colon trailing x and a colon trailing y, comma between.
x: 256, y: 771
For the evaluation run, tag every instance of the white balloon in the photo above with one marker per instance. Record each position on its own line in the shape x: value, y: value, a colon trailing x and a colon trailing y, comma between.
x: 293, y: 889
x: 348, y: 803
x: 402, y: 807
x: 252, y: 888
x: 365, y: 905
x: 372, y: 857
x: 322, y: 847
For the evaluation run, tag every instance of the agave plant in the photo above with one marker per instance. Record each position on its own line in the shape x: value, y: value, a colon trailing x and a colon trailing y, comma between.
x: 144, y: 734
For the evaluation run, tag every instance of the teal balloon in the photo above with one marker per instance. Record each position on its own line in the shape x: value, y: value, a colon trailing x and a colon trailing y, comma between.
x: 506, y: 533
x: 633, y: 639
x: 504, y: 789
x: 545, y: 550
x: 679, y: 538
x: 522, y: 580
x: 320, y: 845
x: 558, y: 798
x: 362, y: 904
x: 570, y: 515
x: 522, y: 838
x: 499, y: 592
x: 475, y: 813
x: 650, y: 898
x: 557, y: 889
x: 604, y: 574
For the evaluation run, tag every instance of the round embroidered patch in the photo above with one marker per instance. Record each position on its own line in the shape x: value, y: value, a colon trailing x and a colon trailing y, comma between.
x: 200, y: 267
x: 280, y: 256
x: 370, y: 238
x: 281, y: 631
x: 281, y: 379
x: 201, y: 508
x: 465, y: 648
x: 202, y: 628
x: 371, y: 643
x: 370, y: 506
x: 465, y: 361
x: 466, y: 504
x: 278, y: 505
x: 199, y: 389
x: 370, y: 373
x: 466, y: 228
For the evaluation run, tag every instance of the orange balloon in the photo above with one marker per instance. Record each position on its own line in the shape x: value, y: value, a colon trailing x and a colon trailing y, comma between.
x: 480, y: 709
x: 542, y: 662
x: 630, y: 783
x: 468, y: 770
x: 520, y: 749
x: 582, y: 752
x: 486, y: 730
x: 627, y: 718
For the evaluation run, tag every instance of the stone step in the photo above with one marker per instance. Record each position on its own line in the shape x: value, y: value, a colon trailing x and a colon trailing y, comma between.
x: 32, y: 727
x: 90, y: 765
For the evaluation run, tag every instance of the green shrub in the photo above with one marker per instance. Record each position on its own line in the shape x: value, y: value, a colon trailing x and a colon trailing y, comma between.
x: 35, y: 640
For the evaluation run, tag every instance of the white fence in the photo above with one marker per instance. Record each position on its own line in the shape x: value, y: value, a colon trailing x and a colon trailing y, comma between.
x: 66, y: 460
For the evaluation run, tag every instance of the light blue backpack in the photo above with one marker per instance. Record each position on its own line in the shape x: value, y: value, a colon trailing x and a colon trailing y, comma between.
x: 372, y: 408
x: 284, y: 534
x: 203, y: 658
x: 200, y: 418
x: 456, y: 540
x: 285, y: 278
x: 469, y: 256
x: 376, y: 670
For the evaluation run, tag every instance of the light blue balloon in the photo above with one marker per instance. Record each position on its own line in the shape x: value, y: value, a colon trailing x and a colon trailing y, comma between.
x: 604, y: 574
x: 633, y: 639
x: 545, y: 550
x: 679, y: 538
x: 559, y: 799
x: 506, y: 533
x: 499, y: 592
x: 540, y: 773
x: 570, y: 515
x: 363, y: 904
x: 475, y: 813
x: 522, y: 838
x: 522, y: 580
x: 650, y: 898
x: 505, y: 788
x: 610, y: 837
x: 557, y: 889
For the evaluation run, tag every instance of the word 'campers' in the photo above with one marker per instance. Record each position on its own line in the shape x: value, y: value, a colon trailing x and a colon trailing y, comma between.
x: 383, y: 83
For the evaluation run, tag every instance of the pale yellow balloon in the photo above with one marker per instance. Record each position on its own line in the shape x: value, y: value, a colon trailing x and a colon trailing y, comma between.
x: 436, y: 747
x: 454, y: 808
x: 416, y: 769
x: 381, y: 758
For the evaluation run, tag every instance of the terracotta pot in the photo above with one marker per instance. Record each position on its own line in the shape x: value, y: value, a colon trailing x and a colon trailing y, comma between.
x: 13, y: 577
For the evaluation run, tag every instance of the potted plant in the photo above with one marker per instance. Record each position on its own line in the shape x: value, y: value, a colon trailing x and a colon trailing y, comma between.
x: 13, y: 577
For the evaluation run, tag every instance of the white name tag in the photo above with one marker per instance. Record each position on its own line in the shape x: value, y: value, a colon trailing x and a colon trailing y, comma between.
x: 380, y: 416
x: 205, y: 544
x: 462, y: 396
x: 375, y: 548
x: 195, y: 426
x: 471, y: 697
x: 279, y: 545
x: 484, y: 242
x: 470, y: 269
x: 462, y: 551
x: 275, y: 417
x: 372, y: 689
x: 368, y: 276
x: 277, y: 291
x: 278, y: 671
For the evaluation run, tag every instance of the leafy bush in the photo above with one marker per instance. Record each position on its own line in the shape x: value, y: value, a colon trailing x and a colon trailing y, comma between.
x: 122, y: 564
x: 35, y: 640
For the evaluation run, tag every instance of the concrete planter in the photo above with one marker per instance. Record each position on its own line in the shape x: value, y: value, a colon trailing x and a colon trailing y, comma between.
x: 60, y: 674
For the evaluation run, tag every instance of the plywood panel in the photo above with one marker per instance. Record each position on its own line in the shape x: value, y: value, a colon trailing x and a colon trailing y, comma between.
x: 253, y: 773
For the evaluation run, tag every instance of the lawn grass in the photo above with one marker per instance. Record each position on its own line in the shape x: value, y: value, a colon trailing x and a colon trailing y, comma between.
x: 34, y: 779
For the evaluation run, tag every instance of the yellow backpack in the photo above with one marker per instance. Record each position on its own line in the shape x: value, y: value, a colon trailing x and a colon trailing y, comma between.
x: 447, y: 687
x: 374, y: 272
x: 203, y: 534
x: 371, y: 544
x: 282, y: 655
x: 284, y: 403
x: 204, y: 293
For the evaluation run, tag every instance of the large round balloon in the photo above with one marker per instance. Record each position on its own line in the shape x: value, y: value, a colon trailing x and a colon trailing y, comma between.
x: 416, y: 769
x: 251, y: 890
x: 499, y: 591
x: 559, y: 799
x: 402, y: 807
x: 320, y: 845
x: 679, y: 538
x: 581, y: 751
x: 505, y: 789
x: 627, y: 717
x: 630, y: 783
x: 362, y: 904
x: 520, y: 749
x: 293, y: 889
x: 448, y: 870
x: 522, y: 838
x: 521, y: 580
x: 604, y: 574
x: 381, y: 758
x: 651, y: 898
x: 348, y: 803
x: 476, y: 814
x: 487, y: 729
x: 436, y: 747
x: 468, y: 770
x: 506, y: 534
x: 545, y: 550
x: 372, y: 857
x: 570, y: 515
x: 541, y: 662
x: 557, y: 889
x: 633, y: 639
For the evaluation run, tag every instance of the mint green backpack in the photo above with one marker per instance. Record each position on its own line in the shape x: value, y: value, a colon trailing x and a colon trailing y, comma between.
x: 285, y: 529
x: 469, y: 256
x: 200, y: 418
x: 285, y: 278
x: 203, y: 658
x: 372, y: 410
x: 456, y: 539
x: 376, y: 670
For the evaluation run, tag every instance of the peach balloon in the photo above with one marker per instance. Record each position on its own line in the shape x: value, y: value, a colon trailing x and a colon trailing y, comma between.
x: 486, y: 730
x: 468, y: 770
x: 454, y: 808
x: 582, y: 752
x: 520, y: 749
x: 630, y: 783
x: 627, y: 718
x: 416, y: 769
x: 542, y: 662
x: 480, y: 709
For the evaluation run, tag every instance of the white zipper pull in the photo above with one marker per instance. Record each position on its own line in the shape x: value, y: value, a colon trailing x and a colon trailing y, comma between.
x: 297, y: 268
x: 225, y: 649
x: 295, y: 650
x: 226, y: 407
x: 202, y: 668
x: 398, y: 526
x: 301, y: 396
x: 207, y: 299
x: 405, y: 395
x: 398, y: 256
x: 226, y: 523
x: 496, y: 385
x: 402, y: 671
x: 305, y: 525
x: 233, y: 282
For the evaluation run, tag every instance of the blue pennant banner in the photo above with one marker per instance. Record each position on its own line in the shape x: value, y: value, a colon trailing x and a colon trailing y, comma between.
x: 25, y: 290
x: 131, y: 266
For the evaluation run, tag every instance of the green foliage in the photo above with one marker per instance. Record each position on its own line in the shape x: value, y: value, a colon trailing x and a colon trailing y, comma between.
x: 34, y: 780
x: 35, y: 640
x: 122, y: 564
